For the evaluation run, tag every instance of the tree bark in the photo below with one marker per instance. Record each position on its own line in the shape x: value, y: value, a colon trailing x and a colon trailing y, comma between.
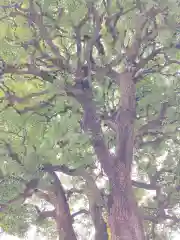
x: 99, y: 223
x: 124, y: 218
x: 62, y: 216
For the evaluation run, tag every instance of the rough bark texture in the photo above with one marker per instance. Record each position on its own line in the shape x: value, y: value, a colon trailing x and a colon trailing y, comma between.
x: 124, y: 219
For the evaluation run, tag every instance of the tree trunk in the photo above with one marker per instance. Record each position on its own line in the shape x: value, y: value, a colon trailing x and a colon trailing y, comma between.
x: 62, y: 216
x: 65, y: 228
x: 124, y: 219
x: 99, y: 223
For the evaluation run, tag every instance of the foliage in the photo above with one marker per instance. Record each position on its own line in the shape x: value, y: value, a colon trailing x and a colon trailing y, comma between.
x: 40, y: 120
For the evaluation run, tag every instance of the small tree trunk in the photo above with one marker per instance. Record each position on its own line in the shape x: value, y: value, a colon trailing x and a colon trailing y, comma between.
x: 65, y: 229
x: 99, y: 223
x: 63, y: 216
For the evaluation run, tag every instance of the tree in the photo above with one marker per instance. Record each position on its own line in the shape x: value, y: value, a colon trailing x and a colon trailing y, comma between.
x: 87, y: 83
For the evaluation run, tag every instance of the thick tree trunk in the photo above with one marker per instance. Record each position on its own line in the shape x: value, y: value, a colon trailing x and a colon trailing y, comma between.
x: 124, y: 219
